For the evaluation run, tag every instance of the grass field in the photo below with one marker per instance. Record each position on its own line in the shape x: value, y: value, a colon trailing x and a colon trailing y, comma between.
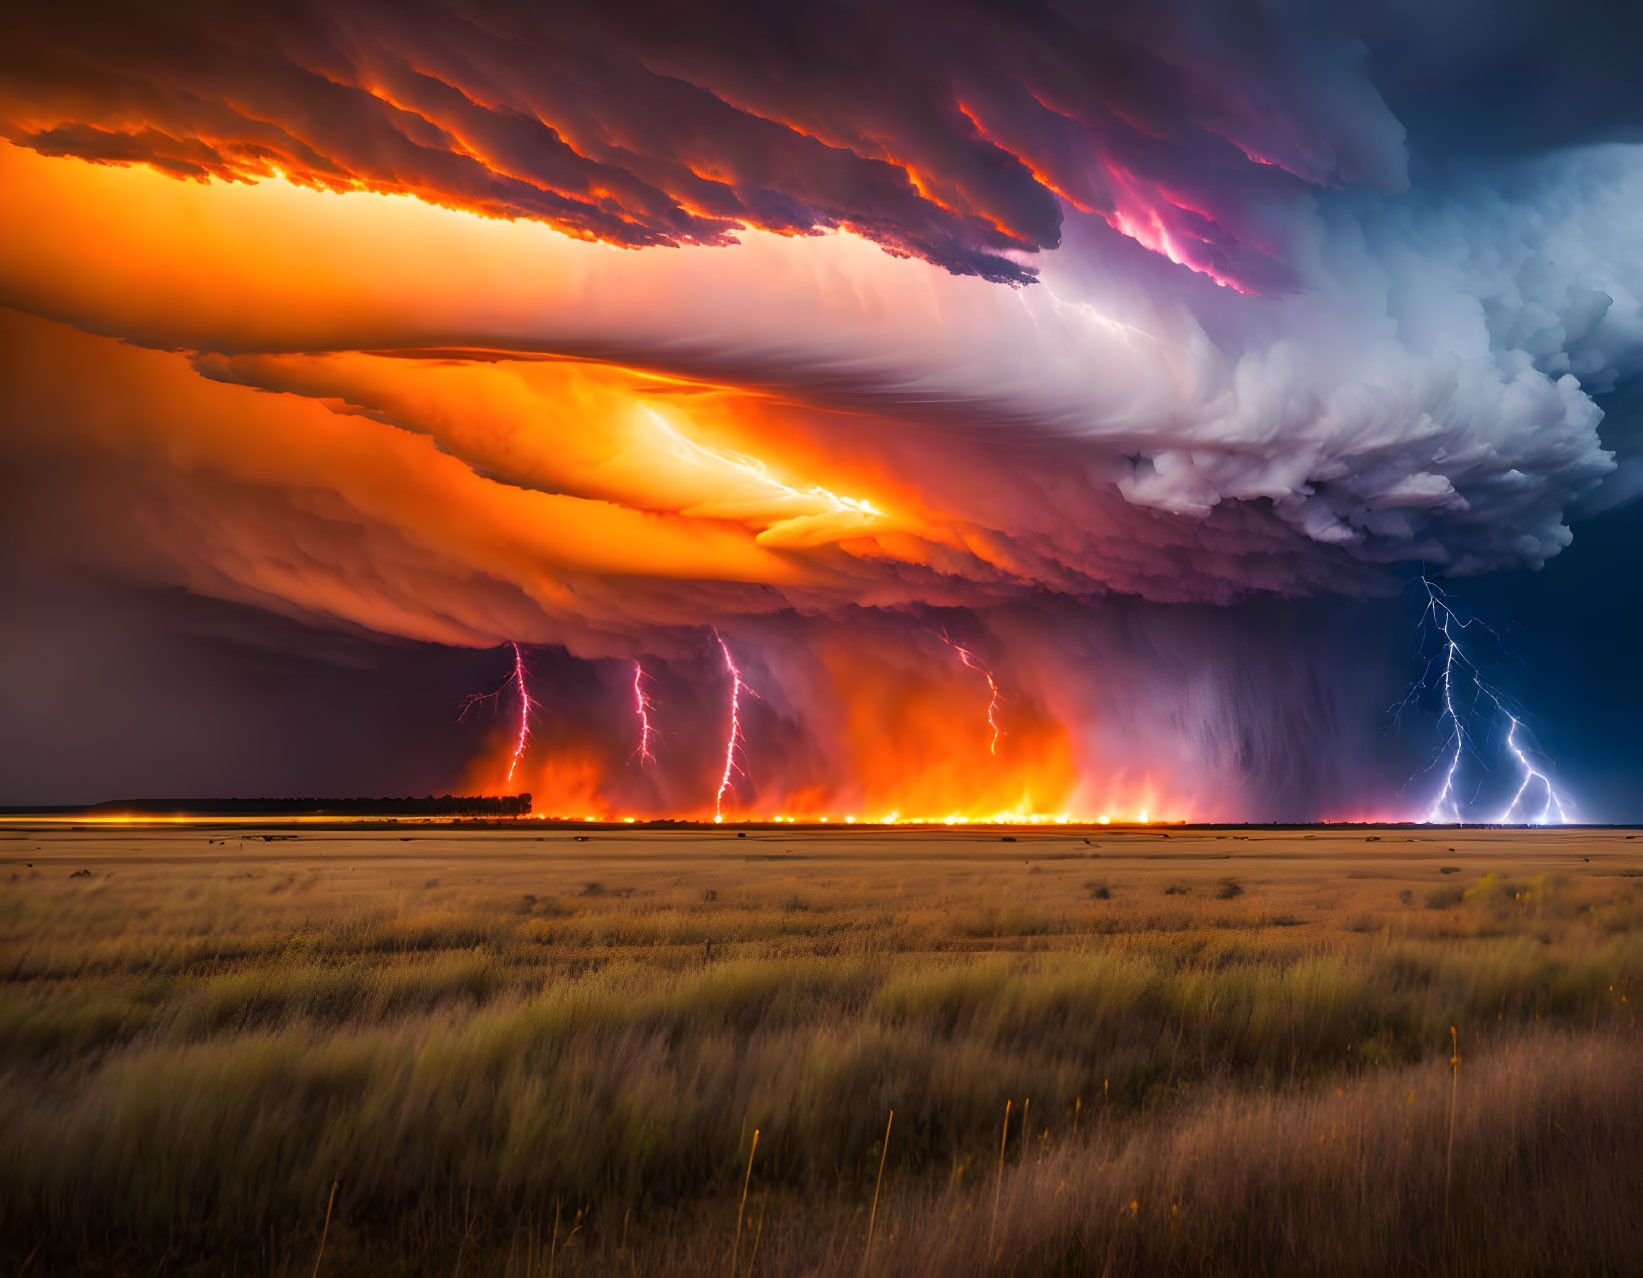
x: 427, y: 1051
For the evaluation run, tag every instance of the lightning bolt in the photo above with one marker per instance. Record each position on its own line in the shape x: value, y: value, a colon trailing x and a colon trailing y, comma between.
x: 733, y: 739
x: 1531, y: 774
x: 756, y: 469
x: 516, y: 681
x: 642, y: 706
x: 1465, y: 696
x: 524, y: 710
x: 995, y: 698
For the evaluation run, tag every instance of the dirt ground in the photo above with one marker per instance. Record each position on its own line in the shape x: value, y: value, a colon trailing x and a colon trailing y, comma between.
x: 1326, y: 867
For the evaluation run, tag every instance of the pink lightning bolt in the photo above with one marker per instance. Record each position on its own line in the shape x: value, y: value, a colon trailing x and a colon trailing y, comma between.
x: 642, y: 706
x: 517, y: 682
x: 734, y: 738
x: 994, y: 696
x: 524, y: 710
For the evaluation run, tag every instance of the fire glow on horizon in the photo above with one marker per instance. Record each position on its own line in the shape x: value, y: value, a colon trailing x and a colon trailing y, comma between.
x: 968, y: 755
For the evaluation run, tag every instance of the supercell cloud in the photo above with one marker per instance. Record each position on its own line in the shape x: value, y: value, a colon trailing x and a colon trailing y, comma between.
x: 1087, y: 335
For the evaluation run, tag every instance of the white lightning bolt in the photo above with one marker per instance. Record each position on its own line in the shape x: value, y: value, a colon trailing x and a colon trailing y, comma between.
x: 1530, y: 774
x: 1460, y: 674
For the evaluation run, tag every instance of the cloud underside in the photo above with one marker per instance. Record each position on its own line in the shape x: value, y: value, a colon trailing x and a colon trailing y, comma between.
x: 951, y: 133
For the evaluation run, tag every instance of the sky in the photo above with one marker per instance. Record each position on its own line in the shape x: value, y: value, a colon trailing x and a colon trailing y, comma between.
x: 942, y: 411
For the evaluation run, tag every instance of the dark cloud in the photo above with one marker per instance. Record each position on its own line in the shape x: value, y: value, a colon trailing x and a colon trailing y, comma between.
x: 116, y: 692
x: 948, y: 132
x: 1507, y: 77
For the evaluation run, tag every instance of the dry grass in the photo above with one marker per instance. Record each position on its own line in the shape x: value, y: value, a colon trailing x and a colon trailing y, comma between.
x: 199, y: 1040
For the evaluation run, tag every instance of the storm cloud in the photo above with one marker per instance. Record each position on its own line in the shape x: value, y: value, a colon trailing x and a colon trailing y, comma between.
x: 473, y: 324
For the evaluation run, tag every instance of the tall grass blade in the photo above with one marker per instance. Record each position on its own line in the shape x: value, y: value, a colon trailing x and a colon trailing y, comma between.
x: 873, y: 1216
